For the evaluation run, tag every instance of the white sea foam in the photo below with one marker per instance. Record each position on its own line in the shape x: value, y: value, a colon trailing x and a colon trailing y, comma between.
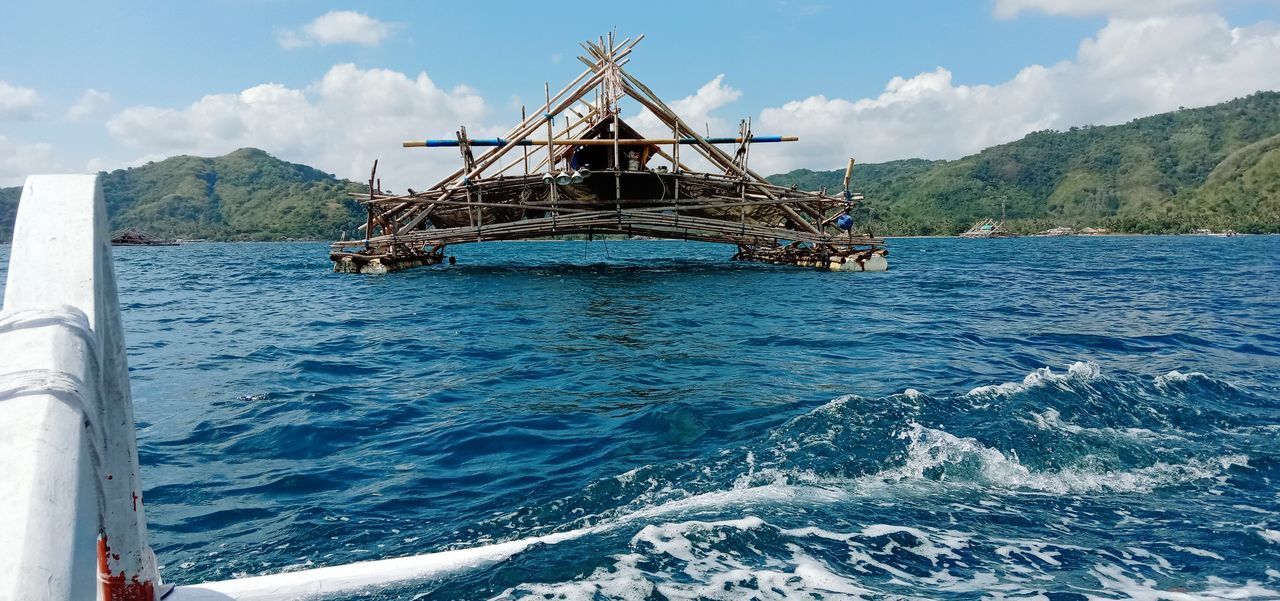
x: 1051, y: 419
x: 706, y: 573
x: 433, y: 565
x: 691, y: 560
x: 668, y: 540
x: 1078, y: 371
x: 931, y: 455
x: 1197, y: 552
x: 1115, y: 579
x: 933, y: 548
x: 628, y: 476
x: 1038, y: 550
x: 1177, y: 376
x: 931, y: 449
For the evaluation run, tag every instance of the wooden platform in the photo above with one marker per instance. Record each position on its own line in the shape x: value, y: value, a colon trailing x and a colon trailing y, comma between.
x: 575, y: 167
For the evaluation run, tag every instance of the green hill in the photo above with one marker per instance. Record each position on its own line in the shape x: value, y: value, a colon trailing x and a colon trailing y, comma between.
x: 1245, y: 187
x: 1216, y: 167
x: 245, y: 195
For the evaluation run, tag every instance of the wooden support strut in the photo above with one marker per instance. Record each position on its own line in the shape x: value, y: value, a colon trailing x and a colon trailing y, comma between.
x: 599, y: 142
x: 782, y: 193
x: 577, y: 209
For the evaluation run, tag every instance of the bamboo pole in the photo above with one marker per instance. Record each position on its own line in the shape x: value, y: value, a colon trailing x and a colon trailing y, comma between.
x: 601, y: 142
x: 617, y: 155
x: 652, y: 204
x: 550, y: 136
x: 662, y: 153
x: 609, y: 220
x: 700, y: 178
x: 551, y: 158
x: 533, y: 225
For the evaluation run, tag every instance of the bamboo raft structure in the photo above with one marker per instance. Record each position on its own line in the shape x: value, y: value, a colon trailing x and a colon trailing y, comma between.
x: 135, y: 237
x: 576, y: 167
x: 988, y: 228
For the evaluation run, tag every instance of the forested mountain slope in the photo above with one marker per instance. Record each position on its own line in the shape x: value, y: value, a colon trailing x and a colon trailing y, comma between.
x: 1216, y: 167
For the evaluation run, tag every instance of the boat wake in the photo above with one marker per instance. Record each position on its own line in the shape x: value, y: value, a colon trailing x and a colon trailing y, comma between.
x: 918, y: 496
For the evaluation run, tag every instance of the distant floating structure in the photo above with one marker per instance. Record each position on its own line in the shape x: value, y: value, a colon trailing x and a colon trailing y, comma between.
x: 988, y: 228
x: 575, y: 167
x: 1058, y: 231
x: 134, y: 237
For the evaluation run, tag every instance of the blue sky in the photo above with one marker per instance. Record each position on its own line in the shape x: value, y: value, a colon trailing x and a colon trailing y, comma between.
x: 108, y: 84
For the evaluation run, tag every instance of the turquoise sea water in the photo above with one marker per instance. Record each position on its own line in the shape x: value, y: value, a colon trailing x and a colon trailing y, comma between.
x: 1051, y: 418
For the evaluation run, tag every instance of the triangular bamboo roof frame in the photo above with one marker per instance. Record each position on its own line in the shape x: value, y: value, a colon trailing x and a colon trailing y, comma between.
x: 400, y: 218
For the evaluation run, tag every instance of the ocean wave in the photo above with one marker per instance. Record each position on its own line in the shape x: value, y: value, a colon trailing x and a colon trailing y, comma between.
x: 1177, y: 376
x: 701, y: 570
x: 1080, y: 371
x: 752, y: 558
x: 854, y: 446
x: 1051, y: 419
x: 581, y: 394
x: 939, y: 455
x: 888, y: 455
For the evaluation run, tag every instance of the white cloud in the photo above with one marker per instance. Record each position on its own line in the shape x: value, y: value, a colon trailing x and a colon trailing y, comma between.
x: 340, y: 124
x: 19, y: 159
x: 1131, y: 68
x: 337, y: 27
x: 1008, y: 9
x: 89, y: 104
x: 17, y: 103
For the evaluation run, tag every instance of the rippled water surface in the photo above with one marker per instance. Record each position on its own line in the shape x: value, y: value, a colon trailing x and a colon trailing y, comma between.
x: 1061, y: 418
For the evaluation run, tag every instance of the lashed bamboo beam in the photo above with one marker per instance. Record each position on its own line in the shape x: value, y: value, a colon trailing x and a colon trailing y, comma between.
x: 653, y: 204
x: 494, y: 186
x: 539, y: 227
x: 596, y: 141
x: 432, y: 197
